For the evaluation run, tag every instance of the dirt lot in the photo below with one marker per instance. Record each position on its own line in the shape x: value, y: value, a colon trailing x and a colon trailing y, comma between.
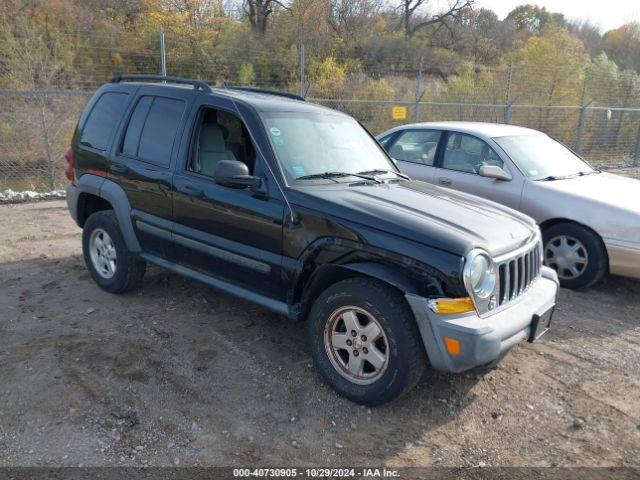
x: 180, y: 374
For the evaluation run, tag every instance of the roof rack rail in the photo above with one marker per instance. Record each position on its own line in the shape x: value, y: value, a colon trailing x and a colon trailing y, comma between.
x: 265, y: 91
x: 197, y: 84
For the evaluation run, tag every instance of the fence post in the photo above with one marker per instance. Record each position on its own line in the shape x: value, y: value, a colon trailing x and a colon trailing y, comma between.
x: 507, y: 101
x: 302, y: 70
x: 416, y: 106
x: 163, y: 60
x: 583, y: 111
x: 636, y: 153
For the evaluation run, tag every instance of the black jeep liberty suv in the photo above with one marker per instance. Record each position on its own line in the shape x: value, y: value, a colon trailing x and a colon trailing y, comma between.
x: 296, y: 207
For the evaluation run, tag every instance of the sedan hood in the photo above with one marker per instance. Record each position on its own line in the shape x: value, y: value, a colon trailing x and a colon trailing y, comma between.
x: 604, y: 188
x: 452, y: 221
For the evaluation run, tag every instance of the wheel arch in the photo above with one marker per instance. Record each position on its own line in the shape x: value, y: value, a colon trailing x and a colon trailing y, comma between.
x: 97, y: 193
x: 560, y: 220
x: 89, y: 203
x: 328, y: 274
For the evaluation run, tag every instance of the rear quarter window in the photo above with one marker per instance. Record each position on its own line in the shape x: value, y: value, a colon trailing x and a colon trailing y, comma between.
x: 152, y: 129
x: 103, y: 118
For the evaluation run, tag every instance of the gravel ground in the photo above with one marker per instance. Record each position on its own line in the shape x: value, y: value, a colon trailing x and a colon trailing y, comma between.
x: 180, y: 374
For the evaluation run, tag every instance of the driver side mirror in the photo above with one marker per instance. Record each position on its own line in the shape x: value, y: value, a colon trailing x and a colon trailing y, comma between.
x: 234, y: 174
x: 495, y: 172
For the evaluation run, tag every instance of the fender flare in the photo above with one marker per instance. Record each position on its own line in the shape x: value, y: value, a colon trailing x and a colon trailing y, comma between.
x: 391, y: 275
x: 386, y: 274
x: 116, y: 196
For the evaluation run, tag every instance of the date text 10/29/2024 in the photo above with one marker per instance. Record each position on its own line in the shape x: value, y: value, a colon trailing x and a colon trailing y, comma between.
x: 315, y: 473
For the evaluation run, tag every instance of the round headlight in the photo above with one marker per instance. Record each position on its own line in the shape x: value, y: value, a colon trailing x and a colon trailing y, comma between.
x: 482, y: 276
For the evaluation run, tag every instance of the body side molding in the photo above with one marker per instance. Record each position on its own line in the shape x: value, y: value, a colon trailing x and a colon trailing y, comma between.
x: 266, y: 302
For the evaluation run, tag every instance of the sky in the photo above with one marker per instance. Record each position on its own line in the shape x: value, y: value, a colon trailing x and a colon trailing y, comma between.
x: 607, y: 14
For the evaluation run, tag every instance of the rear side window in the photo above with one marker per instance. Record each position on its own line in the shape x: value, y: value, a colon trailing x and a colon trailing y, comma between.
x: 102, y: 120
x: 132, y: 137
x: 152, y: 129
x: 416, y: 146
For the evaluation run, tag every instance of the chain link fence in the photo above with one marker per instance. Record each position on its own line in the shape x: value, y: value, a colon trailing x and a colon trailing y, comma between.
x: 606, y: 137
x: 35, y: 132
x: 596, y: 114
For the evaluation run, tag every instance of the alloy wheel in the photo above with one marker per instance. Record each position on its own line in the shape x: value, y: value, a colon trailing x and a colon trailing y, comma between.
x: 103, y: 253
x: 356, y: 345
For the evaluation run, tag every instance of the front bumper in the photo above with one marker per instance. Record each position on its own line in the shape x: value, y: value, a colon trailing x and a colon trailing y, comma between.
x: 624, y: 257
x: 482, y: 340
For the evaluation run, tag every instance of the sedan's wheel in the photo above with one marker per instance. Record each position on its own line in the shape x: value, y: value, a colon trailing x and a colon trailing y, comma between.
x: 567, y: 256
x: 356, y: 345
x: 103, y: 253
x: 576, y: 253
x: 365, y: 342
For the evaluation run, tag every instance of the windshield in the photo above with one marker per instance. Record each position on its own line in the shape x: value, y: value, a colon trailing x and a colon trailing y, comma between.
x: 312, y: 144
x: 540, y: 157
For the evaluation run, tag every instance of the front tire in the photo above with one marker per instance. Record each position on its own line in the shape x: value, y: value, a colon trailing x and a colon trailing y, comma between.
x: 364, y: 341
x: 576, y: 254
x: 112, y: 266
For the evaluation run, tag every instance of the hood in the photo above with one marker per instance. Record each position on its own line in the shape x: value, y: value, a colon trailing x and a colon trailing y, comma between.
x: 605, y: 188
x: 452, y: 221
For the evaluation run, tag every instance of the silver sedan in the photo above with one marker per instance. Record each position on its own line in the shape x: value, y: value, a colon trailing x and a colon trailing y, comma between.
x: 590, y: 220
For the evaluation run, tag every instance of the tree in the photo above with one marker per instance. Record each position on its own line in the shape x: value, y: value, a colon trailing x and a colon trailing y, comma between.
x: 409, y: 8
x: 198, y: 14
x: 622, y: 45
x: 36, y: 60
x: 258, y: 12
x: 246, y: 75
x: 549, y: 70
x: 589, y: 33
x: 348, y: 18
x: 533, y: 19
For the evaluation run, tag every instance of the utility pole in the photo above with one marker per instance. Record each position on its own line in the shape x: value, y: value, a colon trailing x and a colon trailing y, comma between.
x: 302, y: 92
x: 416, y: 107
x: 163, y: 60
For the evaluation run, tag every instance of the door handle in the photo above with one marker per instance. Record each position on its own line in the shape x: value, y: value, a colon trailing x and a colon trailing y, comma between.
x: 192, y: 191
x: 444, y: 181
x: 118, y: 168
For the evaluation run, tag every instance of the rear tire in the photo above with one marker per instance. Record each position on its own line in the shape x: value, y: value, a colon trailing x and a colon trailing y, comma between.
x: 576, y: 254
x: 112, y: 266
x: 368, y: 370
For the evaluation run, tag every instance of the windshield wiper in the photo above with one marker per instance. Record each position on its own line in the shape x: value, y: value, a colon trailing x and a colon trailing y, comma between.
x: 558, y: 177
x: 332, y: 175
x: 379, y: 170
x: 565, y: 177
x: 550, y: 178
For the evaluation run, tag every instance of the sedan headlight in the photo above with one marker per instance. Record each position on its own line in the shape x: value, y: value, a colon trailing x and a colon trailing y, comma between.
x: 480, y: 278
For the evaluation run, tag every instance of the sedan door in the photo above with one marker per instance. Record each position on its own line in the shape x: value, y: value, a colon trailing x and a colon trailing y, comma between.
x: 415, y: 151
x: 459, y: 165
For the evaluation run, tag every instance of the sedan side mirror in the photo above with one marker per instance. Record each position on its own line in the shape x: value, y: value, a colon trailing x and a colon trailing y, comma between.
x: 234, y: 174
x: 495, y: 172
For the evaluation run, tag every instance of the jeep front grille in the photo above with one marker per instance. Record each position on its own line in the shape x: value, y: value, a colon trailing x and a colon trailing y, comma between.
x: 517, y: 273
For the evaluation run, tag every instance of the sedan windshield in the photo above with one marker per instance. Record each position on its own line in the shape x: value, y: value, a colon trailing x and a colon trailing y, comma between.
x: 320, y: 147
x: 542, y: 158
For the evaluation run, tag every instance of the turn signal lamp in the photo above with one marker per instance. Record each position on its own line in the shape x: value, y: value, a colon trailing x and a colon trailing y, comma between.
x: 453, y: 346
x: 449, y: 306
